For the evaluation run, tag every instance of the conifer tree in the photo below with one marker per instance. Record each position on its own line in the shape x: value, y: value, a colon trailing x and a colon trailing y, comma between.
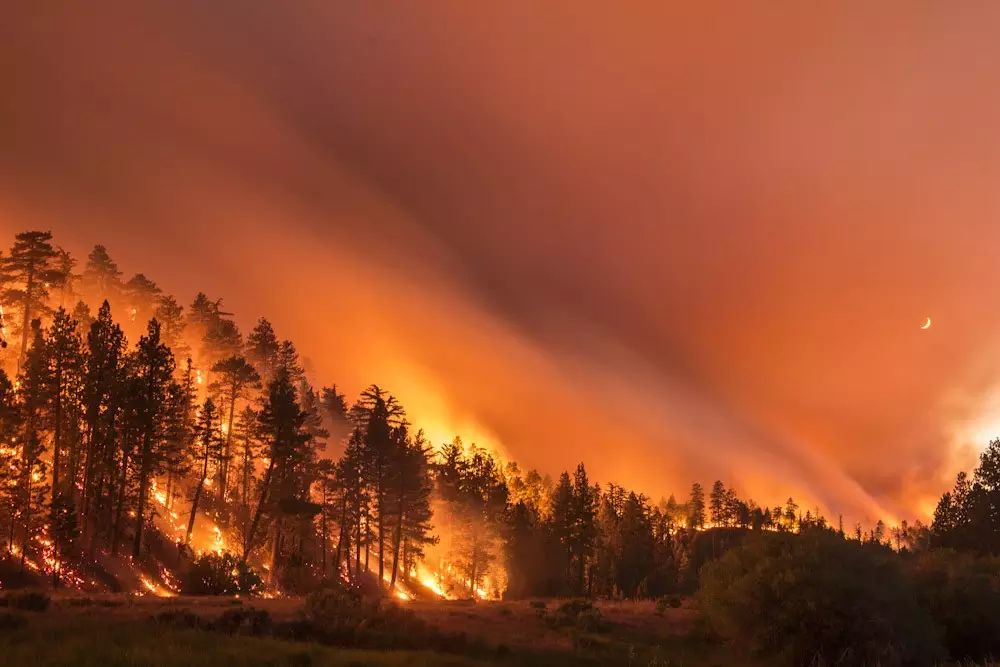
x: 282, y: 428
x: 154, y: 369
x: 262, y: 349
x: 208, y: 442
x: 233, y: 380
x: 142, y: 298
x: 101, y: 279
x: 696, y: 507
x: 412, y: 511
x: 717, y: 503
x: 30, y: 269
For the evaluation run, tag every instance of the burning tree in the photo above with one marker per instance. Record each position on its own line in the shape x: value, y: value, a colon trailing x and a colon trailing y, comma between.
x: 234, y: 379
x: 474, y: 497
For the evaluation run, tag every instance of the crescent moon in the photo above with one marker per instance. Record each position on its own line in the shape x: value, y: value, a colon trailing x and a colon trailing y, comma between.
x: 927, y: 324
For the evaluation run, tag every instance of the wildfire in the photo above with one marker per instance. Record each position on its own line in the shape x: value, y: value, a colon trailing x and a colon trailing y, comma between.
x: 197, y: 376
x: 431, y: 582
x: 220, y: 542
x: 154, y: 588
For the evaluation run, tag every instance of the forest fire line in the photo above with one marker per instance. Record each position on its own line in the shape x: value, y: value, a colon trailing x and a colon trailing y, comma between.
x: 222, y: 453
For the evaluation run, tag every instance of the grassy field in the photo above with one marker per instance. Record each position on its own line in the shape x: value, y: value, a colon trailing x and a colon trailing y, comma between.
x: 110, y: 632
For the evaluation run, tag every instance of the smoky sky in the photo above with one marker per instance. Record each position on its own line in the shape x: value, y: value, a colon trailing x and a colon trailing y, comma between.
x: 676, y: 243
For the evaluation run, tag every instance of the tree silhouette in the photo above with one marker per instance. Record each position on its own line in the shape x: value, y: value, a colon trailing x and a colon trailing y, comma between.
x: 30, y: 269
x: 696, y: 507
x: 234, y: 378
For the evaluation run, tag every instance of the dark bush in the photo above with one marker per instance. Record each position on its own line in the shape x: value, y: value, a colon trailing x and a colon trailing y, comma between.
x: 213, y: 574
x: 342, y: 616
x: 668, y: 602
x: 182, y: 618
x: 816, y: 598
x: 11, y: 621
x: 962, y: 593
x: 538, y: 604
x: 245, y: 621
x: 579, y: 614
x: 28, y: 600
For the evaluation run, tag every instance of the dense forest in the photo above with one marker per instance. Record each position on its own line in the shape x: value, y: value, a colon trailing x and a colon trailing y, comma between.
x: 119, y: 447
x: 153, y: 446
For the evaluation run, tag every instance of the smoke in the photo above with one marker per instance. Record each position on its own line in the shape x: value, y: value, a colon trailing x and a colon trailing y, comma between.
x: 568, y: 236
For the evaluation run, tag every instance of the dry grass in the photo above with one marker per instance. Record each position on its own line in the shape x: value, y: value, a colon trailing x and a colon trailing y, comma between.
x: 116, y: 628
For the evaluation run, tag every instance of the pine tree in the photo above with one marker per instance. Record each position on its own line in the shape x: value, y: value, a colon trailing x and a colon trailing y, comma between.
x: 585, y: 502
x: 717, y: 503
x: 181, y: 415
x: 562, y: 521
x: 208, y: 442
x: 11, y: 426
x: 65, y: 374
x: 378, y: 414
x: 142, y: 298
x: 35, y: 386
x: 790, y: 515
x: 282, y: 428
x: 170, y: 315
x: 412, y: 511
x: 233, y: 380
x: 696, y: 507
x: 101, y: 278
x: 32, y: 267
x: 65, y: 263
x: 155, y: 369
x: 66, y: 364
x: 262, y: 349
x: 103, y: 382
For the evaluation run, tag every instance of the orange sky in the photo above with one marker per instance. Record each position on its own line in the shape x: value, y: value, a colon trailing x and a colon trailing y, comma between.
x: 674, y: 243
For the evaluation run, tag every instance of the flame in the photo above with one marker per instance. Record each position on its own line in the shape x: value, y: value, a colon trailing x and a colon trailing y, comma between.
x: 220, y: 543
x: 197, y: 376
x: 154, y: 588
x: 430, y: 581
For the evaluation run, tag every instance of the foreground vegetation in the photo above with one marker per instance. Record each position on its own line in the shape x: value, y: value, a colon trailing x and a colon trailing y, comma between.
x: 201, y: 631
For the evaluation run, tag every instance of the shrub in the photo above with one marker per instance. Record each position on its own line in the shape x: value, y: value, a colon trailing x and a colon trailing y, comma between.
x: 538, y: 604
x: 28, y: 600
x: 11, y: 621
x: 667, y: 602
x: 181, y: 618
x: 342, y: 616
x: 579, y: 614
x: 244, y: 621
x: 962, y: 593
x: 212, y: 574
x: 815, y: 598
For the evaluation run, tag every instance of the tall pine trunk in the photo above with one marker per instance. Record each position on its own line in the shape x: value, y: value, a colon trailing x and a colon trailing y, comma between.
x: 196, y: 498
x: 265, y: 487
x: 119, y: 505
x: 398, y: 536
x: 224, y: 473
x: 26, y: 316
x: 140, y: 513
